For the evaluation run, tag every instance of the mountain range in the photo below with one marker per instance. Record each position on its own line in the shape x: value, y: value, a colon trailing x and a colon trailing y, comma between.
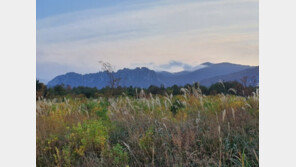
x: 144, y: 77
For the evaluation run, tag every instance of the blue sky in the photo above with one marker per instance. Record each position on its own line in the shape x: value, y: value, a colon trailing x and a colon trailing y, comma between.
x: 47, y: 8
x: 171, y: 35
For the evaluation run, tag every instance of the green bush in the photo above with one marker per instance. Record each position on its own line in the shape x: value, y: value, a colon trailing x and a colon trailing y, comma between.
x: 89, y: 136
x: 176, y: 106
x: 116, y: 156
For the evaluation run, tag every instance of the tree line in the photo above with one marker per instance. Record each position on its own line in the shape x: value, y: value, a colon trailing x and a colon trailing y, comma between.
x: 233, y: 87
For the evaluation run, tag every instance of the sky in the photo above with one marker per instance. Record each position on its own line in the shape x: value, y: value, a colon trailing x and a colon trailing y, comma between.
x: 163, y: 35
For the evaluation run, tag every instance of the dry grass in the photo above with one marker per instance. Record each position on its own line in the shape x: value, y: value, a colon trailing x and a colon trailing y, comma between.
x: 188, y: 130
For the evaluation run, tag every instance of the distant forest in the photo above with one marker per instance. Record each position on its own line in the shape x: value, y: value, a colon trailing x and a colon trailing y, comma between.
x: 232, y: 87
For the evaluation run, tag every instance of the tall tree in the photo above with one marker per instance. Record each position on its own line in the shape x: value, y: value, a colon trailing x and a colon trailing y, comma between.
x: 40, y: 89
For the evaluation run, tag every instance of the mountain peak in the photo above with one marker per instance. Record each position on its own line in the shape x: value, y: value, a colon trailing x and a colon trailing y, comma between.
x: 207, y: 63
x: 72, y: 73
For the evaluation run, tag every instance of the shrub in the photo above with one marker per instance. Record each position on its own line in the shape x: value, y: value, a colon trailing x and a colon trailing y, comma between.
x: 116, y: 156
x: 88, y: 137
x: 176, y: 106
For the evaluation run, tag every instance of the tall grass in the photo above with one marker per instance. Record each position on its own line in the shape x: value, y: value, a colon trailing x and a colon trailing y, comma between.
x: 186, y: 130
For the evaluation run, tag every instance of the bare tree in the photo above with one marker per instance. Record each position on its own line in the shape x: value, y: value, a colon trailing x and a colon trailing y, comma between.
x: 113, y: 80
x: 244, y: 80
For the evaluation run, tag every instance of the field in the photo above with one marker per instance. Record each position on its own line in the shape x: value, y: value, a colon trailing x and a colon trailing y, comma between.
x: 151, y: 130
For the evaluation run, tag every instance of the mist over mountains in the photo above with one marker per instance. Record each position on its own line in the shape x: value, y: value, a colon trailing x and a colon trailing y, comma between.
x: 144, y: 77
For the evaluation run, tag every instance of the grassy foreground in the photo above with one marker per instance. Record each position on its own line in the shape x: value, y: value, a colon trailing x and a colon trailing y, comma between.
x: 188, y: 130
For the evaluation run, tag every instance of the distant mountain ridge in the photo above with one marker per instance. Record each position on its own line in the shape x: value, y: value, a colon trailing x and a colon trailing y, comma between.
x: 251, y: 73
x: 144, y: 77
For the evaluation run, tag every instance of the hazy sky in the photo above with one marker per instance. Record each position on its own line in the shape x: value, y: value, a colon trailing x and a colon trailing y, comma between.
x: 172, y: 35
